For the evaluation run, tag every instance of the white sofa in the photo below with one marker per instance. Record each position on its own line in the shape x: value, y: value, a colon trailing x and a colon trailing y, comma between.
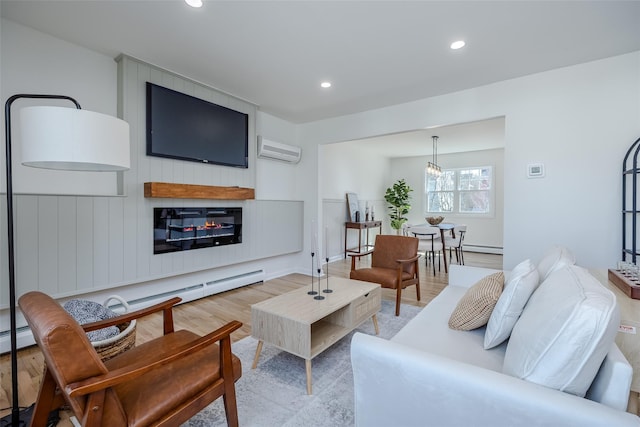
x: 432, y: 375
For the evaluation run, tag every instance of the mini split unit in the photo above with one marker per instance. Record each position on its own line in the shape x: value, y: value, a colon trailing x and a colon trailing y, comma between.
x: 268, y: 149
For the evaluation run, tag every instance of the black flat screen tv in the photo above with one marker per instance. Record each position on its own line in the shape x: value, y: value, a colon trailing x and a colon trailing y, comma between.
x: 180, y: 126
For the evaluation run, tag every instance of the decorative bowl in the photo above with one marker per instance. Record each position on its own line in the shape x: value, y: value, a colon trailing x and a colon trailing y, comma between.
x: 434, y: 220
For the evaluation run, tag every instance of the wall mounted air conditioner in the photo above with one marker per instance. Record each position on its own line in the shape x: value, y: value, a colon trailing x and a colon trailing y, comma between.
x: 268, y: 149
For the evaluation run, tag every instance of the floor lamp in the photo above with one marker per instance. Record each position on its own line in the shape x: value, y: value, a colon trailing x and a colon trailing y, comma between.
x: 64, y: 139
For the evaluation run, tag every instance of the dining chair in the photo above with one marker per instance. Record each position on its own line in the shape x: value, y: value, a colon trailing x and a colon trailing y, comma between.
x: 430, y: 243
x: 455, y: 243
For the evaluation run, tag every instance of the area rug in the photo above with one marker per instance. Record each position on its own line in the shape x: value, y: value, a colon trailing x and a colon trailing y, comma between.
x: 275, y: 393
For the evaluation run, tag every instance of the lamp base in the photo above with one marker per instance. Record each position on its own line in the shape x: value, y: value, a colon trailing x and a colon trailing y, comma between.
x: 24, y: 418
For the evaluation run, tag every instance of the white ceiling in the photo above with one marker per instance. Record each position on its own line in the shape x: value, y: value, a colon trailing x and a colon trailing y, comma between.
x: 481, y: 135
x: 376, y: 53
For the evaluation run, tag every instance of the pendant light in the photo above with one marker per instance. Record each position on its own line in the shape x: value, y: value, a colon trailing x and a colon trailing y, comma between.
x: 432, y: 167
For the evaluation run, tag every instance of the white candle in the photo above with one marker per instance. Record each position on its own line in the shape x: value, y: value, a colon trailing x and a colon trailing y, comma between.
x: 326, y: 242
x: 313, y: 237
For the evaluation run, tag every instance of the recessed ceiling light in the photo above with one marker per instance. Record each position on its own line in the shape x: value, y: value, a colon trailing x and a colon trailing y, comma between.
x: 325, y: 85
x: 457, y: 44
x: 194, y: 3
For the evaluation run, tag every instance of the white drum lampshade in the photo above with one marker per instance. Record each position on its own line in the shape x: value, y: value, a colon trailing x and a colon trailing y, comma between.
x: 73, y: 139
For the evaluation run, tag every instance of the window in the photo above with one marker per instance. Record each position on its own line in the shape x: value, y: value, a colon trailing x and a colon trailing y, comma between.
x: 460, y: 191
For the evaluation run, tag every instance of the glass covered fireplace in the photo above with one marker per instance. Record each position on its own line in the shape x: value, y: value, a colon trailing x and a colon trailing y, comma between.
x: 182, y: 229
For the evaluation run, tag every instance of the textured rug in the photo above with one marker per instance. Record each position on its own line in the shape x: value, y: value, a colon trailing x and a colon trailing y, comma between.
x: 275, y: 393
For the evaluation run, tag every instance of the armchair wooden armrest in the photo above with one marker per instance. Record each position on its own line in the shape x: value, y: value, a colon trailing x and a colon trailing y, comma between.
x: 166, y: 307
x: 408, y: 261
x: 358, y: 255
x: 141, y: 367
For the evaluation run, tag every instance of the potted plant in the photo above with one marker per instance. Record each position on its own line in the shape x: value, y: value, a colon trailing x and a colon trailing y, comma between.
x: 398, y: 198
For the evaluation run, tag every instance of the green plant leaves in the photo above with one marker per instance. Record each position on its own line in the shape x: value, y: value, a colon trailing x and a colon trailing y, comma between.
x: 399, y: 200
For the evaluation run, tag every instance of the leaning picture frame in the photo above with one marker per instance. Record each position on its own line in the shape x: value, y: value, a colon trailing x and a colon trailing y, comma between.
x: 352, y: 206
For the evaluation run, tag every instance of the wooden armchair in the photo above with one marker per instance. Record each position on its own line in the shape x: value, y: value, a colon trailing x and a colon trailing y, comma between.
x: 394, y: 264
x: 162, y: 382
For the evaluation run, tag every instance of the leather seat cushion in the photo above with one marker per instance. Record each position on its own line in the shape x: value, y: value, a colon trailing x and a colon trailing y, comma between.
x: 384, y: 276
x: 172, y: 384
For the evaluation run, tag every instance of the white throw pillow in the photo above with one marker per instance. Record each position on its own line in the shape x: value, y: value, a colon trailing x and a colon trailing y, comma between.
x: 564, y: 332
x: 522, y: 281
x: 554, y: 259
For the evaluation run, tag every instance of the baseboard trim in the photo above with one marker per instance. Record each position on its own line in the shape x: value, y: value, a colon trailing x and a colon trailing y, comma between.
x: 483, y: 249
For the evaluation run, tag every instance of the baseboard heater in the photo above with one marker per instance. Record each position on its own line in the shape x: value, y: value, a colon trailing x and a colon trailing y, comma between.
x: 232, y: 282
x: 483, y: 249
x: 24, y: 338
x: 188, y: 293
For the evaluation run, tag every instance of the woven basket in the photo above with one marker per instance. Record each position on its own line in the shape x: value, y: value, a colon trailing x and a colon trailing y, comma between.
x: 120, y: 343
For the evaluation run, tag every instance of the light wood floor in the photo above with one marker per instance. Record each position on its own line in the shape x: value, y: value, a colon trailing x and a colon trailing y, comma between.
x: 206, y: 314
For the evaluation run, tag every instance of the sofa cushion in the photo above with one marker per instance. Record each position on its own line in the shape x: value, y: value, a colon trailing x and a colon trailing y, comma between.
x: 521, y: 283
x: 429, y: 332
x: 554, y: 259
x: 475, y: 307
x: 564, y: 332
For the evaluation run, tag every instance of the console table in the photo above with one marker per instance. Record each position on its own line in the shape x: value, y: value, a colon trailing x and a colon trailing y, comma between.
x: 363, y: 225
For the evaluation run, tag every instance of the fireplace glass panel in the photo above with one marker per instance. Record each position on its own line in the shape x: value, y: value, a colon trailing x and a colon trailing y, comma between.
x: 183, y: 229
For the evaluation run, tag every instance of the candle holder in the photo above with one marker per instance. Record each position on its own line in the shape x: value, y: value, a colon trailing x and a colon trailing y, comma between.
x: 312, y: 292
x: 327, y: 290
x: 318, y: 297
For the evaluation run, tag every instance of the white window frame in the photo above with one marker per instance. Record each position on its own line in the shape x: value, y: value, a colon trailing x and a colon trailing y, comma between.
x: 456, y: 193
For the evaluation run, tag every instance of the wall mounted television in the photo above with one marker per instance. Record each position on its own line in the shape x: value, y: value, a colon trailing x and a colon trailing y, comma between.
x: 180, y: 126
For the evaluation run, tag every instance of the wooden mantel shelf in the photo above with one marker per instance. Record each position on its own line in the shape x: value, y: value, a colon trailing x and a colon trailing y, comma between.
x: 191, y: 191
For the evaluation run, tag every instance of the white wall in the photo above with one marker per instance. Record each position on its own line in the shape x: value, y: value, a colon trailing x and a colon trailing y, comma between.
x: 578, y: 121
x: 277, y: 180
x: 35, y: 63
x: 350, y: 168
x: 274, y: 179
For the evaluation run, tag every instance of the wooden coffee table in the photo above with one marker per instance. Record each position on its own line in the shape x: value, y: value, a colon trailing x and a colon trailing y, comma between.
x: 301, y: 325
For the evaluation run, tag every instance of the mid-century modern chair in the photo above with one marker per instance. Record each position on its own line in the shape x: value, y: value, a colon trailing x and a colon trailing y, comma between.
x: 162, y: 382
x: 394, y: 264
